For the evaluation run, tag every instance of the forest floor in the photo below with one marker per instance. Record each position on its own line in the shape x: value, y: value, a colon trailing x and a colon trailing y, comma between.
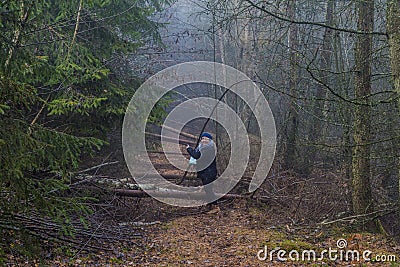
x: 234, y: 235
x: 237, y: 233
x: 231, y: 235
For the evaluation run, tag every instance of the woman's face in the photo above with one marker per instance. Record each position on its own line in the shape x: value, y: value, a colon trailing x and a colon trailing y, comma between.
x: 205, y: 140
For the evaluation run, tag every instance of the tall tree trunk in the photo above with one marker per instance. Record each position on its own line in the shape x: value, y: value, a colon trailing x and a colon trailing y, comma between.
x: 393, y: 31
x: 325, y: 66
x: 362, y: 197
x: 341, y: 82
x: 24, y: 12
x: 222, y: 139
x: 291, y: 158
x: 319, y: 125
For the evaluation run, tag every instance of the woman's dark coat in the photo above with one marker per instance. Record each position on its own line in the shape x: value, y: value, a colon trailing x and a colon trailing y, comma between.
x: 203, y: 155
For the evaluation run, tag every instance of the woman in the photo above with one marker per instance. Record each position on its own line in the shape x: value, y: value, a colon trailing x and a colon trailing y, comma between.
x: 206, y: 164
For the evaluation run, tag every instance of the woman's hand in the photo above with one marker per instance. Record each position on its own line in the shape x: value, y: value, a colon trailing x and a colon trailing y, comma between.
x: 187, y: 146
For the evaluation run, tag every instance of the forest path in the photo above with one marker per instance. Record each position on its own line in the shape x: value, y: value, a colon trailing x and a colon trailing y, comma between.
x: 215, y: 238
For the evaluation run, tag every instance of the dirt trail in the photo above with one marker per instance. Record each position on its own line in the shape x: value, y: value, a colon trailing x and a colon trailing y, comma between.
x: 225, y: 238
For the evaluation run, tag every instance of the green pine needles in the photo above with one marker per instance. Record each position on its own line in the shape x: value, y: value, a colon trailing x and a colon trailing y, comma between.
x: 60, y: 91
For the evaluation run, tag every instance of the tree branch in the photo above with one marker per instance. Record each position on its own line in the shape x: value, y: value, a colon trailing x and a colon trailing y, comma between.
x: 263, y: 9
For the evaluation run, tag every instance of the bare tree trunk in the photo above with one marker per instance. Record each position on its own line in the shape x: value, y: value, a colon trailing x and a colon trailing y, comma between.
x: 292, y: 122
x: 345, y: 110
x: 325, y: 68
x: 24, y: 12
x: 362, y: 196
x: 319, y: 125
x: 78, y: 16
x: 222, y: 139
x: 393, y: 31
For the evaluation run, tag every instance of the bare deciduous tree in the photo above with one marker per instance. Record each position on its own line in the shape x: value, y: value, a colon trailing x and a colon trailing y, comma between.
x: 393, y: 30
x: 362, y: 197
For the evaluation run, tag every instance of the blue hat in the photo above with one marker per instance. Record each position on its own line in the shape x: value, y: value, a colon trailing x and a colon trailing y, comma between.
x: 205, y: 134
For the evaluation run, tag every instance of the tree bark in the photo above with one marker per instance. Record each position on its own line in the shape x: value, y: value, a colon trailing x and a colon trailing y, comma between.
x: 325, y: 68
x: 362, y: 196
x: 319, y: 125
x: 393, y: 32
x: 24, y: 12
x: 291, y: 158
x: 166, y: 194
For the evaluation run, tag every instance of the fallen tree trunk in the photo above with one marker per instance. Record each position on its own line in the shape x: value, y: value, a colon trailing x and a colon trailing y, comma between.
x: 166, y: 152
x: 173, y: 194
x: 172, y: 140
x: 188, y: 135
x: 173, y: 176
x: 152, y: 175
